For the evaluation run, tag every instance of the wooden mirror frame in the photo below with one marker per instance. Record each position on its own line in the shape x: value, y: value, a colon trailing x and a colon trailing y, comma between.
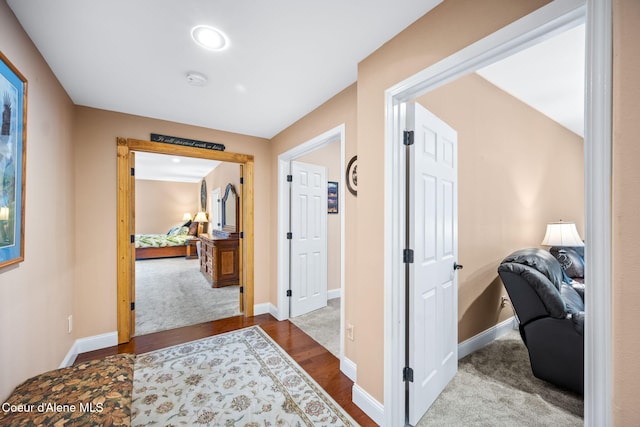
x: 230, y: 195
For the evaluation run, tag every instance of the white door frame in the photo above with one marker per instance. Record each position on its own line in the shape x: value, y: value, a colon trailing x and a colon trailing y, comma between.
x: 543, y: 23
x: 284, y: 159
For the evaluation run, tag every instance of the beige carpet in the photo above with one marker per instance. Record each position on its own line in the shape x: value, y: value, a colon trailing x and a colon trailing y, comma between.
x: 171, y: 292
x: 323, y: 325
x: 494, y: 387
x: 241, y: 378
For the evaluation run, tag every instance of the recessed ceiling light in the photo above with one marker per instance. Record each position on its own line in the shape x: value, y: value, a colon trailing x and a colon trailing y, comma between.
x: 209, y: 37
x: 175, y: 160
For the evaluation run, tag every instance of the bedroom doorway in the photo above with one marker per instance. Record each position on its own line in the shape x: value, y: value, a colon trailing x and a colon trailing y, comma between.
x: 125, y: 214
x: 171, y: 290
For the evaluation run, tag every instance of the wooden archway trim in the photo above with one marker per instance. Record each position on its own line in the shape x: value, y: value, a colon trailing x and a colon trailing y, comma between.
x: 125, y: 248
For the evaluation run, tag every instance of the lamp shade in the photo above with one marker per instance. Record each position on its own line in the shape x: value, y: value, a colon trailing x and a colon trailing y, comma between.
x: 187, y: 217
x: 562, y: 234
x: 4, y: 213
x: 201, y: 217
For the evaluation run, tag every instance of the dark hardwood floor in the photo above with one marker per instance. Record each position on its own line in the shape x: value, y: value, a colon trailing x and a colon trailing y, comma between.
x: 323, y: 366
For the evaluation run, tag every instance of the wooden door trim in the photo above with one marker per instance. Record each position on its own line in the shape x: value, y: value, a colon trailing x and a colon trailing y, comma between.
x: 124, y: 247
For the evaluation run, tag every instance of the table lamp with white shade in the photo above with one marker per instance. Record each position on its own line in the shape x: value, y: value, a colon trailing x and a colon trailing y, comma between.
x: 201, y: 218
x: 562, y: 234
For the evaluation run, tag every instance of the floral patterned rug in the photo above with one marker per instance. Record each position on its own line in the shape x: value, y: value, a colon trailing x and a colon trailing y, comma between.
x: 241, y: 378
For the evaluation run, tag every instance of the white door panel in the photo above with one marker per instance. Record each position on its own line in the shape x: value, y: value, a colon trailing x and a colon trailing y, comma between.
x: 309, y: 240
x: 433, y: 307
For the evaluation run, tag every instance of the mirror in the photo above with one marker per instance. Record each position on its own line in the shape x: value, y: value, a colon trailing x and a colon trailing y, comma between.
x: 230, y: 209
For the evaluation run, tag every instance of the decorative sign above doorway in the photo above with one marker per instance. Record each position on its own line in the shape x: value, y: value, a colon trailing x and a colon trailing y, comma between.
x: 187, y: 142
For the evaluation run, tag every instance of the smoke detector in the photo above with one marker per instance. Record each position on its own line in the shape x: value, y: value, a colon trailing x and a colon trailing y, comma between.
x: 196, y: 79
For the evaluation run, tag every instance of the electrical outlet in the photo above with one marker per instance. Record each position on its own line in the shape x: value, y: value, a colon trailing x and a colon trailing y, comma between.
x: 70, y: 323
x: 350, y: 331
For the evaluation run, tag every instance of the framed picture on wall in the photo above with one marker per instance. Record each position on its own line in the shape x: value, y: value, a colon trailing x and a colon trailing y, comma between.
x: 13, y: 133
x: 332, y: 197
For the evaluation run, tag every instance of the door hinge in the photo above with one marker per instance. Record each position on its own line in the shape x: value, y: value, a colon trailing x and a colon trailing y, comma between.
x: 133, y: 306
x: 407, y: 256
x: 242, y: 289
x: 289, y: 178
x: 408, y: 137
x: 241, y: 180
x: 133, y: 171
x: 289, y: 235
x: 242, y: 234
x: 288, y: 292
x: 132, y: 238
x: 407, y: 374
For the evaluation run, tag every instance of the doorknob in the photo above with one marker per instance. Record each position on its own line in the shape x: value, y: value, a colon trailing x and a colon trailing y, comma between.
x: 457, y: 266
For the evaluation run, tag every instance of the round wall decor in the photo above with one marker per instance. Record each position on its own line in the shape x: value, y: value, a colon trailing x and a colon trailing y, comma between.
x: 352, y: 175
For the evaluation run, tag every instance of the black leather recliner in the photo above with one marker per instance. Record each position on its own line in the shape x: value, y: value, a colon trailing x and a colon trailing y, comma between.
x: 551, y: 316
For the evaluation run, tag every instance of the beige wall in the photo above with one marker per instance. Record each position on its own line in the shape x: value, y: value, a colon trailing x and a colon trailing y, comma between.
x: 517, y: 171
x: 448, y: 28
x: 161, y: 205
x: 95, y: 143
x: 329, y: 157
x: 36, y: 296
x: 626, y: 205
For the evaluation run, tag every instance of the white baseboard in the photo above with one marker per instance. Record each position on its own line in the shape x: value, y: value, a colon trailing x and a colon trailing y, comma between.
x: 334, y: 293
x: 349, y: 368
x: 369, y: 405
x: 82, y: 345
x: 265, y: 308
x: 485, y: 337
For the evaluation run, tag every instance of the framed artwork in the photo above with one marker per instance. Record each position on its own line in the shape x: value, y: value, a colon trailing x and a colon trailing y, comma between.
x: 352, y: 175
x: 332, y: 197
x: 13, y: 133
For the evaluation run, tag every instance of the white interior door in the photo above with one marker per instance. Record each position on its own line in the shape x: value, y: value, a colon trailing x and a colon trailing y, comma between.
x: 433, y: 289
x: 309, y: 238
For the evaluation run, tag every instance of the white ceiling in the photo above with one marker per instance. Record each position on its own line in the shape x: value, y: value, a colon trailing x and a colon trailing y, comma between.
x: 286, y: 57
x: 548, y: 76
x: 162, y: 167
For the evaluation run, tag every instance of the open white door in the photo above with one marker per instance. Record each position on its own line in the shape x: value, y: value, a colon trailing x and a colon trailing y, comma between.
x: 309, y: 238
x: 433, y: 236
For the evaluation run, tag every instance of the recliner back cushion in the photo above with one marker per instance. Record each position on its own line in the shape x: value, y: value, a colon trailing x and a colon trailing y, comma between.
x: 539, y: 260
x: 544, y: 289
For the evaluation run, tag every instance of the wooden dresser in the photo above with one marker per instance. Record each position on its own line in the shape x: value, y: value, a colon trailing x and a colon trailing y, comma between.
x: 219, y: 258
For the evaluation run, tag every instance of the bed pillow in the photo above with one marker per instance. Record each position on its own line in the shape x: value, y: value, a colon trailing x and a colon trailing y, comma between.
x: 178, y: 231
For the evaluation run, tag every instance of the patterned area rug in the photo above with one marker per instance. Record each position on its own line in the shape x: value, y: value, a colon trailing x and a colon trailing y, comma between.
x: 241, y: 378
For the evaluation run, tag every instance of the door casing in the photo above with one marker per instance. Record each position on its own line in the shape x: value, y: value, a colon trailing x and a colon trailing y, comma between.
x: 543, y: 23
x: 282, y: 312
x: 124, y: 251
